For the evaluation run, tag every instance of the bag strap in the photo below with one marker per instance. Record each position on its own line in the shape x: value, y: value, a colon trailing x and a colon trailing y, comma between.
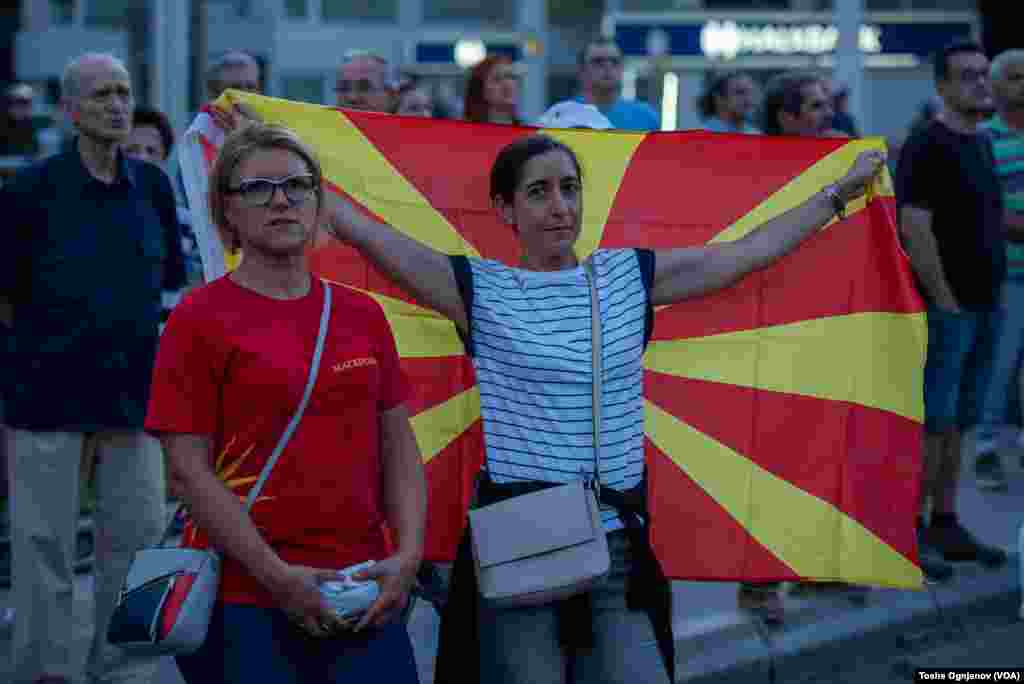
x: 595, y: 338
x: 289, y: 430
x: 286, y: 436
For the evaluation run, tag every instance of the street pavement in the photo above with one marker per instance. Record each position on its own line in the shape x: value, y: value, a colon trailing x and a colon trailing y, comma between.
x: 827, y: 637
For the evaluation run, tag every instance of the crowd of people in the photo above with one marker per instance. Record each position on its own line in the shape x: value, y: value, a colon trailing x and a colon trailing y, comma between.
x: 164, y: 397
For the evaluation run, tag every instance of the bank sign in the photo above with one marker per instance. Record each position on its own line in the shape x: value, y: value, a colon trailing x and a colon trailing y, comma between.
x: 726, y: 39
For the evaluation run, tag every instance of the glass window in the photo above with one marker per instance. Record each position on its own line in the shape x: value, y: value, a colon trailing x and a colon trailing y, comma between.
x: 114, y: 13
x: 303, y: 89
x: 374, y: 10
x: 501, y: 12
x: 296, y: 9
x: 62, y: 11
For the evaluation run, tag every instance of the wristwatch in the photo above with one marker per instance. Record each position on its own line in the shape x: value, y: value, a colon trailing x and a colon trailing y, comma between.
x: 832, y: 192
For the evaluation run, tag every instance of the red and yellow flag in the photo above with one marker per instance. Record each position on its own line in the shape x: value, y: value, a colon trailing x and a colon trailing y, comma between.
x: 783, y: 415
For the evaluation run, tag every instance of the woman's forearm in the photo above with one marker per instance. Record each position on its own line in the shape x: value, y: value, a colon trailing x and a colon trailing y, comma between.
x: 784, y: 233
x: 221, y: 516
x: 405, y: 498
x: 418, y: 269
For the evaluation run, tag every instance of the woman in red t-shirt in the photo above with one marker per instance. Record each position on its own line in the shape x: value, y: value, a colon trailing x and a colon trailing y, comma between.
x: 231, y: 368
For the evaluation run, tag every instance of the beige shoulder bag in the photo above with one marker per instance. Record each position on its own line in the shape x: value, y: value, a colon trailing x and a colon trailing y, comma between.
x: 549, y: 544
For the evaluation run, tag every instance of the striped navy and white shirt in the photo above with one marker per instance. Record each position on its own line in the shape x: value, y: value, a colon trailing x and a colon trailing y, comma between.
x: 531, y: 343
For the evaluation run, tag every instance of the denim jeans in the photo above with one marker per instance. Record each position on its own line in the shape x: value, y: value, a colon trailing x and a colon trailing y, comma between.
x: 961, y: 347
x: 248, y: 644
x: 1006, y: 377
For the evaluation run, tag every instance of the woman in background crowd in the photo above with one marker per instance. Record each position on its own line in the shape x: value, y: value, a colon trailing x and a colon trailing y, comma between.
x: 492, y: 93
x: 728, y: 103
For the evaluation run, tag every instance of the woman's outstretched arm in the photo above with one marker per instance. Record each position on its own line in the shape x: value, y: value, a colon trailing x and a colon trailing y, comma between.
x: 689, y: 272
x: 424, y: 273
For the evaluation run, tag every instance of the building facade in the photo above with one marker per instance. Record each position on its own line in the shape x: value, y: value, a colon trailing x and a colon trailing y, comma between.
x: 683, y: 50
x: 168, y: 43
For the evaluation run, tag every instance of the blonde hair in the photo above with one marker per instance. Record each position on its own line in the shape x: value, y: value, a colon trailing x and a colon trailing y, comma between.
x: 238, y: 147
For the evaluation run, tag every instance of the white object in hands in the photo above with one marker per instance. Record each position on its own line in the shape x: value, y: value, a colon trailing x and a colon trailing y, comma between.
x: 347, y: 597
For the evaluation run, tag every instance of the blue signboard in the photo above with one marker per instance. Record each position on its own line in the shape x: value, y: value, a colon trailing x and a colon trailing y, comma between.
x: 725, y: 38
x: 444, y: 53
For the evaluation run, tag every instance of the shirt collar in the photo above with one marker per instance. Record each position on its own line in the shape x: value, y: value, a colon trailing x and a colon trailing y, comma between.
x: 997, y: 124
x: 80, y: 174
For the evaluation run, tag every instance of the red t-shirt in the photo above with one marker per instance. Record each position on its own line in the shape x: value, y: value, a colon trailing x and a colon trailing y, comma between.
x: 233, y: 364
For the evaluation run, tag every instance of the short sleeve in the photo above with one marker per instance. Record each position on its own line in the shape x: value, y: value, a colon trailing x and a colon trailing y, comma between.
x: 186, y: 377
x: 394, y: 386
x: 464, y: 281
x: 915, y: 182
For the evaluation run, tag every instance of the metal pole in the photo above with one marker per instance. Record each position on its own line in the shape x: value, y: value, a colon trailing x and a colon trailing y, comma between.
x: 532, y: 27
x: 197, y: 54
x: 410, y: 19
x: 849, y: 61
x: 157, y: 39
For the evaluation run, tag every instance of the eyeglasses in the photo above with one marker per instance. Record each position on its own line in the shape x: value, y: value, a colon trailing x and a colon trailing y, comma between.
x: 972, y: 76
x: 259, y: 192
x: 604, y: 61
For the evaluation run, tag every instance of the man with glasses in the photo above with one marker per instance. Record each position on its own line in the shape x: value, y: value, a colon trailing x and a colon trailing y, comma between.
x: 600, y: 64
x: 796, y: 103
x: 951, y: 221
x: 92, y: 239
x: 365, y: 82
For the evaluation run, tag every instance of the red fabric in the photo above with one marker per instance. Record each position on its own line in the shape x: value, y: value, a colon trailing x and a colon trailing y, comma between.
x: 182, y: 585
x: 233, y: 364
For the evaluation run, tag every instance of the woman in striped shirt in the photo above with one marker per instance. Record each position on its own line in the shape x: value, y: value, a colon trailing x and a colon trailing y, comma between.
x: 528, y: 329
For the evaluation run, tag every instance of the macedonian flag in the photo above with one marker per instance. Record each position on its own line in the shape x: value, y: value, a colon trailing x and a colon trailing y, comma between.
x: 783, y: 415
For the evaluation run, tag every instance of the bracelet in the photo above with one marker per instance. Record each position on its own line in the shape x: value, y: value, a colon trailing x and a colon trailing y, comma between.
x: 832, y: 192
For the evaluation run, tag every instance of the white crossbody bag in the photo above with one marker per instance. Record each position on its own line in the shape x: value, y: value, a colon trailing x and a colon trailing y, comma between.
x: 549, y: 544
x: 167, y: 598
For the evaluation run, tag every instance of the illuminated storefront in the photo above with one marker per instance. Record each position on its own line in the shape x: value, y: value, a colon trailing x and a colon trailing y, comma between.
x: 669, y: 56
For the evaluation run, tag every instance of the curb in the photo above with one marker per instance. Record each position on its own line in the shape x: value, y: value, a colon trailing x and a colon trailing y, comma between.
x: 826, y: 637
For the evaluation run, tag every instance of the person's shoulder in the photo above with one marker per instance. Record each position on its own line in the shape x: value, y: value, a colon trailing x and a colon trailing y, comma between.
x: 204, y: 301
x: 35, y: 174
x: 604, y: 253
x: 354, y: 302
x: 713, y: 124
x: 492, y: 266
x: 923, y: 137
x: 641, y: 107
x: 616, y: 257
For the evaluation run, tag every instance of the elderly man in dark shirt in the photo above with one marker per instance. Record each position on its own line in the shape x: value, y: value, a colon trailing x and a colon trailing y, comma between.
x: 93, y: 236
